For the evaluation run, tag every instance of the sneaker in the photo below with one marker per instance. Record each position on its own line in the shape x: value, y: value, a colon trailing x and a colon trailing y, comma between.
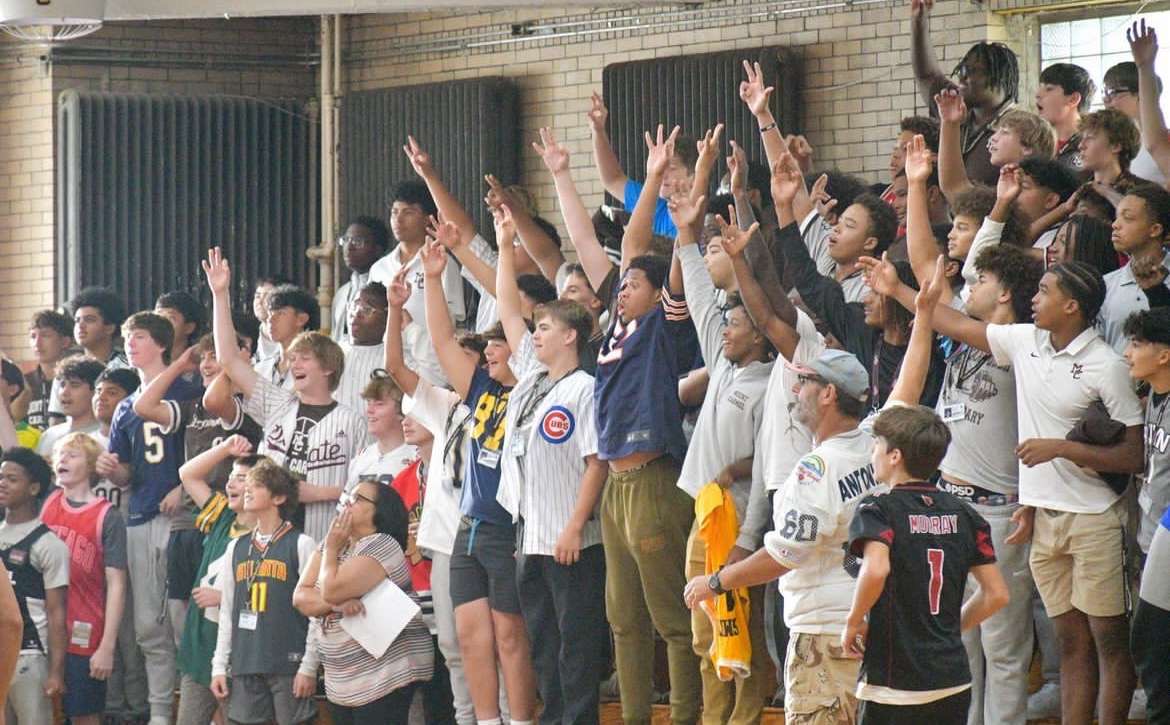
x: 1137, y: 706
x: 1045, y: 702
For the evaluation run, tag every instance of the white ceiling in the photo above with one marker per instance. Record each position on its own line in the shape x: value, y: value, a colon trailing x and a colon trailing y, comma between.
x: 163, y: 9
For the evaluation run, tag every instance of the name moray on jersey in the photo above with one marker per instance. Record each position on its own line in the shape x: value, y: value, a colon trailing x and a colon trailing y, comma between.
x: 856, y: 483
x: 939, y: 525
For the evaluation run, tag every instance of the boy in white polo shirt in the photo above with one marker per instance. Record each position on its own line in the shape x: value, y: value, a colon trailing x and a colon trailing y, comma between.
x: 1077, y: 523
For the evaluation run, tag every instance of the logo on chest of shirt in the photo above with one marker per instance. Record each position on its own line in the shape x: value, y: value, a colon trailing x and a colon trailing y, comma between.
x: 557, y: 424
x: 1076, y: 371
x: 301, y: 457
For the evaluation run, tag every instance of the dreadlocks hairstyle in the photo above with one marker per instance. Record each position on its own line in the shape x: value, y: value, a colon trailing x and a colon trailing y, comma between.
x: 1003, y: 68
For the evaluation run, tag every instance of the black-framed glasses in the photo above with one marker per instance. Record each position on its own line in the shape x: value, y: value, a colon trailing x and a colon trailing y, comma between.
x: 1109, y: 94
x: 351, y: 497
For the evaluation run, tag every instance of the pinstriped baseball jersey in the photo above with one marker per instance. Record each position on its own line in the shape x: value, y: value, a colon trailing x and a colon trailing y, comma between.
x: 316, y: 448
x: 360, y: 361
x: 551, y: 428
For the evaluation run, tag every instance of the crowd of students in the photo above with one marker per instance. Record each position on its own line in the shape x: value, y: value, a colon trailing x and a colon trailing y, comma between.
x: 864, y: 445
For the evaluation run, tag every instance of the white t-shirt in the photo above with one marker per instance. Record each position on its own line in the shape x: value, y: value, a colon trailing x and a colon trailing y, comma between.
x: 1055, y: 389
x: 372, y: 462
x: 440, y: 411
x: 812, y: 512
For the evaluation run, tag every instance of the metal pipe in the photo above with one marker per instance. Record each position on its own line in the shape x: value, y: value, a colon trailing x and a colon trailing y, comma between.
x: 323, y: 253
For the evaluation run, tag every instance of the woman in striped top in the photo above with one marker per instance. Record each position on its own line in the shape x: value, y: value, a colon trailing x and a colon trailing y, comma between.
x: 364, y: 546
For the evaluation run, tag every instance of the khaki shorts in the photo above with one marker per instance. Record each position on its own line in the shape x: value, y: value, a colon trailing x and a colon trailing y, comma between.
x: 1078, y: 561
x: 820, y: 681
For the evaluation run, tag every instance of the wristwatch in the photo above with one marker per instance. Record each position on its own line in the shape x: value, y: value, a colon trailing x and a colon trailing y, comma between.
x: 715, y: 585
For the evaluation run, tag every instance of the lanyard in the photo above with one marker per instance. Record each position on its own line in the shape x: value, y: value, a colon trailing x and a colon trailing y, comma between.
x: 534, y: 400
x: 969, y: 362
x: 256, y: 562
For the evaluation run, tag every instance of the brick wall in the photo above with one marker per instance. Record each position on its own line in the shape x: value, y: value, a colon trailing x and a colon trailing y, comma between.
x: 857, y: 77
x: 26, y: 196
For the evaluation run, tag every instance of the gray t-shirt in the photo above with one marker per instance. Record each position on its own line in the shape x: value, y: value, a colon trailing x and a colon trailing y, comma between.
x: 1154, y: 496
x: 978, y: 404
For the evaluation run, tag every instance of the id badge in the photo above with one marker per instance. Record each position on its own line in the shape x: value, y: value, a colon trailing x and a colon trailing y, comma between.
x: 80, y: 634
x: 519, y: 445
x: 488, y: 459
x: 248, y: 619
x: 954, y: 412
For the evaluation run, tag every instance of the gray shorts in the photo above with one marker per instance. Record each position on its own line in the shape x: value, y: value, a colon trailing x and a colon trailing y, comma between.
x: 483, y: 565
x: 264, y: 698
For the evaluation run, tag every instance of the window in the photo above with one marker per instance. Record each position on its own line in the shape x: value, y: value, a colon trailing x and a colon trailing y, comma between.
x: 1097, y: 44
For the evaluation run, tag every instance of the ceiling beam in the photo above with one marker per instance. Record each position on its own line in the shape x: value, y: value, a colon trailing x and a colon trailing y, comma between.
x: 172, y: 9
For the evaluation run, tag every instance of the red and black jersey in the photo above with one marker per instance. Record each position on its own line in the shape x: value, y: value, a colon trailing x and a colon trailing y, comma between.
x: 935, y: 538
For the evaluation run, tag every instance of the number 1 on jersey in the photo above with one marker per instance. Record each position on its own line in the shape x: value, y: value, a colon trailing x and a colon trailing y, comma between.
x: 934, y: 559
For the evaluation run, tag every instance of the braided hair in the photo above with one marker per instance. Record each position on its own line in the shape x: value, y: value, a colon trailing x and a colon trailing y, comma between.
x: 1003, y: 68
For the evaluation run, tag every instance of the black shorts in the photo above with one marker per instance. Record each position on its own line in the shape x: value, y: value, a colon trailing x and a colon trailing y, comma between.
x: 83, y: 694
x: 483, y: 565
x: 952, y: 709
x: 184, y: 552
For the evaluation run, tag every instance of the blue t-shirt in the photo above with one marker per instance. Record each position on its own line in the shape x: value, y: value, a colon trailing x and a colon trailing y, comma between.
x: 662, y: 222
x: 154, y: 456
x: 636, y: 392
x: 488, y: 401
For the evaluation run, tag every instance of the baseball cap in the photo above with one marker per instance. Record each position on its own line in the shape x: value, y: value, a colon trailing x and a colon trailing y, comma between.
x: 840, y: 368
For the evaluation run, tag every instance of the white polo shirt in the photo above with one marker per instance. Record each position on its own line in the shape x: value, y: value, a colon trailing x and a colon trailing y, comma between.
x: 1123, y: 297
x: 1055, y: 388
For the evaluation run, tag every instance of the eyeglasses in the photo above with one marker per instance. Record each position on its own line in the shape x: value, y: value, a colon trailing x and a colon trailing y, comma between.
x: 352, y: 497
x: 1110, y: 93
x: 362, y: 308
x: 352, y: 241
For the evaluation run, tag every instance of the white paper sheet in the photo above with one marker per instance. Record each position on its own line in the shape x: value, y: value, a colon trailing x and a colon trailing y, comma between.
x: 388, y: 611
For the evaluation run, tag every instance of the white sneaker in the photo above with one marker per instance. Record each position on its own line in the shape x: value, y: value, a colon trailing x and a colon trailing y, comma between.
x: 1137, y: 706
x: 1045, y: 702
x: 159, y: 720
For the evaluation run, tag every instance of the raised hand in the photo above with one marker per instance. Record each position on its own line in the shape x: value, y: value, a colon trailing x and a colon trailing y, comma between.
x: 444, y: 232
x: 951, y: 106
x: 919, y: 160
x: 555, y: 156
x: 660, y: 151
x: 737, y: 169
x: 819, y: 194
x: 786, y: 179
x: 434, y: 258
x: 1008, y: 186
x: 598, y: 113
x: 1143, y: 43
x: 931, y: 290
x: 801, y: 149
x: 708, y: 146
x: 686, y: 212
x: 219, y: 274
x: 398, y: 292
x: 735, y: 240
x: 880, y: 275
x: 497, y: 194
x: 918, y: 8
x: 505, y: 227
x: 238, y: 446
x: 753, y: 92
x: 419, y: 159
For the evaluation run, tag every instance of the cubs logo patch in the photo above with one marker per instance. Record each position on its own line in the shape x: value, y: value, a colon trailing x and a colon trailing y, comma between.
x: 557, y: 424
x: 810, y: 469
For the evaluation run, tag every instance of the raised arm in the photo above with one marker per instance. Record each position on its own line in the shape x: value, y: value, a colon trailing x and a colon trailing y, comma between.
x: 507, y: 292
x: 883, y: 279
x: 916, y: 363
x: 920, y: 241
x: 150, y: 405
x: 196, y: 472
x: 952, y: 172
x: 219, y: 398
x: 449, y: 207
x: 779, y: 329
x: 608, y: 167
x: 927, y: 71
x: 581, y: 233
x: 756, y: 95
x: 397, y: 293
x: 448, y: 234
x: 1143, y: 43
x: 456, y: 366
x: 708, y: 148
x: 765, y: 272
x: 542, y: 248
x: 636, y: 239
x: 219, y: 279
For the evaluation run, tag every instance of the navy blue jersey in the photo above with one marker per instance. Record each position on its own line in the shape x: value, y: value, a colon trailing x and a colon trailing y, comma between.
x: 636, y: 393
x: 935, y: 538
x: 488, y: 401
x: 153, y: 455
